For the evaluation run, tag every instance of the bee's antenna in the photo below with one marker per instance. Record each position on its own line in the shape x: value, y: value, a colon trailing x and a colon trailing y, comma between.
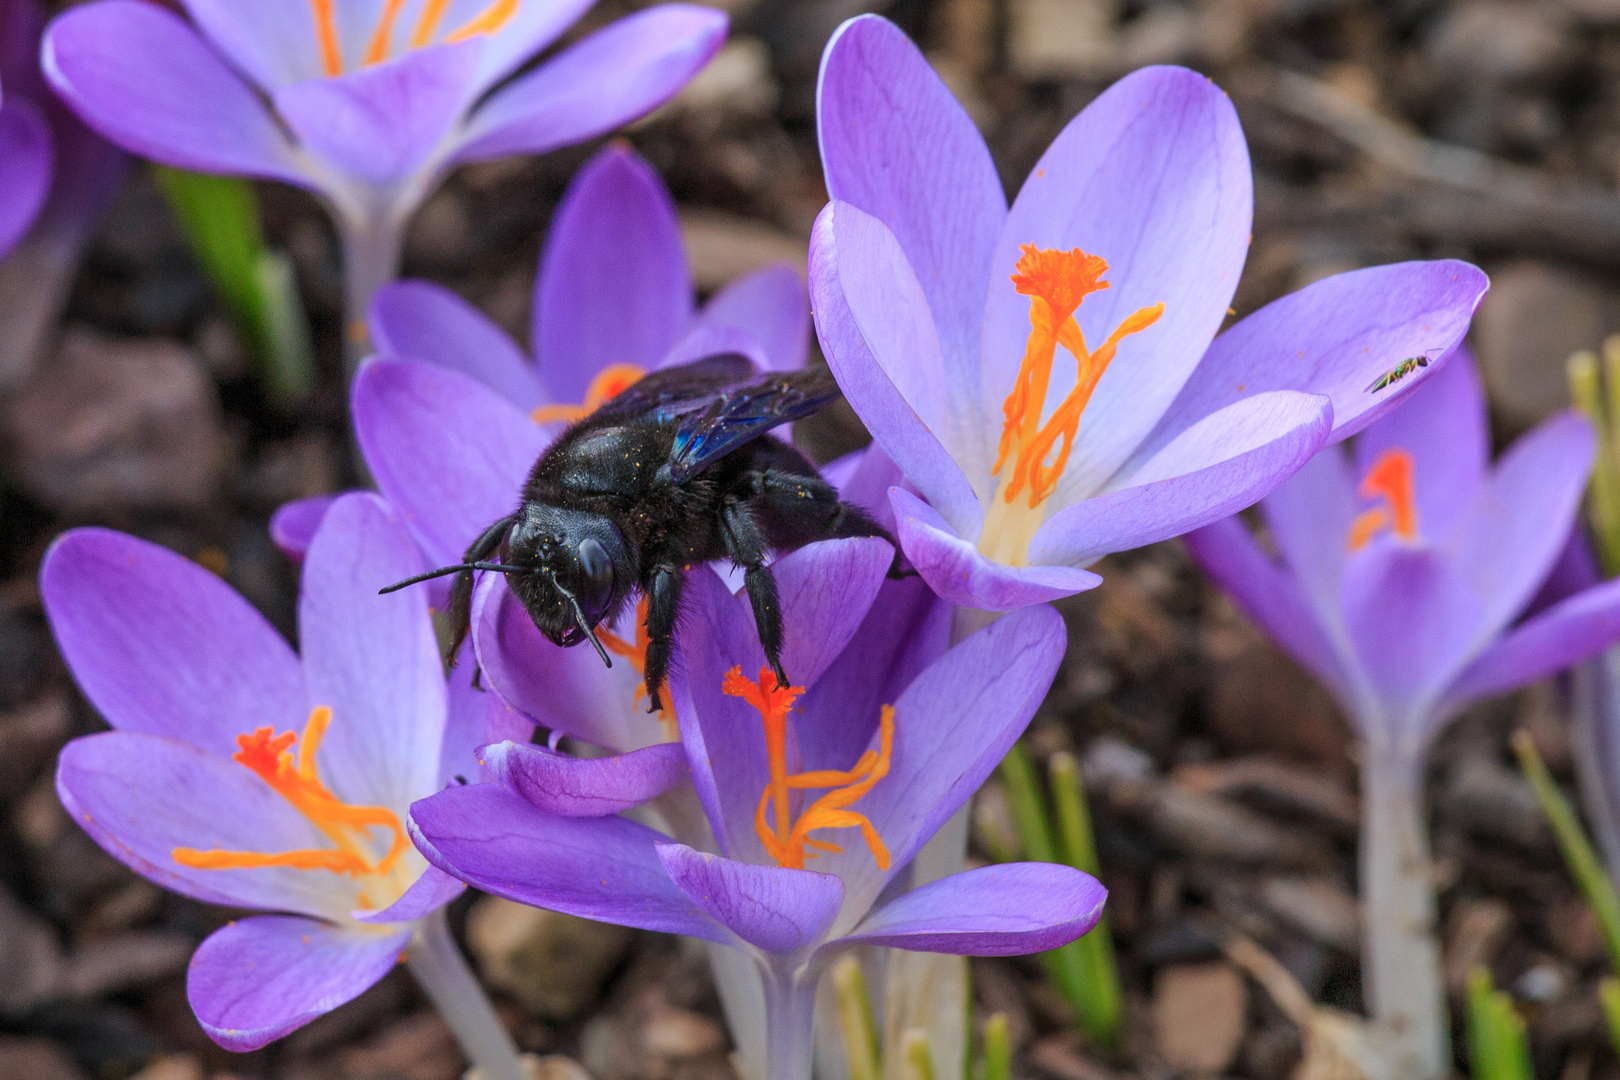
x: 443, y: 570
x: 579, y: 619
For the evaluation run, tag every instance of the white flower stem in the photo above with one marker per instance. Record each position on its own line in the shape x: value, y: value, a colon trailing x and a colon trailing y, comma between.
x: 449, y: 983
x: 1400, y: 956
x: 372, y: 246
x: 789, y: 1017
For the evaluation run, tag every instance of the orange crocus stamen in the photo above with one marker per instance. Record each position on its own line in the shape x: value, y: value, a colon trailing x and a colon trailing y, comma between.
x: 785, y: 840
x: 267, y: 755
x: 1389, y: 478
x: 488, y: 21
x: 377, y: 50
x: 427, y: 24
x: 326, y: 32
x: 609, y: 383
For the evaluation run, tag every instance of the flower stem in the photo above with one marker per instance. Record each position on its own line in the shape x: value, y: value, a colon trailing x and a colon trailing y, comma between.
x: 448, y: 982
x: 372, y: 247
x: 1400, y: 957
x: 789, y: 1016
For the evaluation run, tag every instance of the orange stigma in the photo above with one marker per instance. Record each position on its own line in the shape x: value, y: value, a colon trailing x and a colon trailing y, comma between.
x: 609, y: 383
x: 268, y: 755
x: 379, y: 46
x: 1390, y: 479
x: 785, y: 839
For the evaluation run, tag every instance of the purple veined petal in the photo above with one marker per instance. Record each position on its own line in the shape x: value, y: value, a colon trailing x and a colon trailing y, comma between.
x: 25, y: 169
x: 613, y: 286
x: 1335, y: 337
x: 952, y: 726
x: 473, y: 718
x: 1521, y: 518
x: 1444, y: 426
x: 141, y: 77
x: 160, y: 645
x: 1567, y: 633
x: 896, y: 144
x: 255, y: 980
x: 585, y: 787
x: 372, y: 659
x: 141, y: 796
x: 773, y: 908
x: 879, y: 339
x: 605, y: 868
x: 381, y: 123
x: 427, y: 894
x: 956, y: 571
x: 1153, y: 176
x: 703, y: 341
x: 1268, y: 594
x: 1005, y: 910
x: 275, y: 42
x: 293, y: 524
x: 531, y: 28
x: 447, y: 452
x: 773, y: 306
x: 418, y: 320
x: 619, y: 73
x: 1309, y: 517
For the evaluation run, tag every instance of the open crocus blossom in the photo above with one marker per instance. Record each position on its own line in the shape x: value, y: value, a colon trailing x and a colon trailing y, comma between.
x: 816, y: 796
x: 1045, y: 375
x: 367, y: 102
x: 238, y: 773
x: 1399, y: 575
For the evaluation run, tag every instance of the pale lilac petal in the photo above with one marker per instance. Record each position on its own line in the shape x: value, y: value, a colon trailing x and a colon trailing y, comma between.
x: 160, y: 645
x: 585, y: 787
x: 773, y: 306
x: 617, y: 74
x: 704, y: 341
x: 475, y: 717
x: 372, y: 659
x: 956, y: 571
x: 1153, y: 176
x: 1006, y: 910
x: 450, y: 454
x: 605, y: 869
x: 293, y: 524
x: 864, y: 479
x: 141, y: 796
x: 427, y: 894
x: 780, y: 910
x: 418, y: 320
x: 141, y: 77
x: 879, y: 338
x: 25, y: 169
x: 531, y: 28
x: 1565, y: 634
x: 1309, y: 518
x: 1223, y: 464
x: 255, y: 980
x: 275, y: 42
x: 896, y: 144
x: 613, y: 286
x: 1576, y: 569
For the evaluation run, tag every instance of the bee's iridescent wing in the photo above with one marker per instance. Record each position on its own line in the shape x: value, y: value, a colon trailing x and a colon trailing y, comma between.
x: 741, y: 415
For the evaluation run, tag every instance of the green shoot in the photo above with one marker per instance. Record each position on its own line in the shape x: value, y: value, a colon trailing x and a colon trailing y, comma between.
x: 1609, y: 995
x: 856, y: 1021
x: 997, y: 1064
x: 1497, y: 1047
x: 919, y: 1062
x: 1598, y: 396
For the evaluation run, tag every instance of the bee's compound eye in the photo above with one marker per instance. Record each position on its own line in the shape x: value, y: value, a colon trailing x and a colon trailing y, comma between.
x: 597, y: 571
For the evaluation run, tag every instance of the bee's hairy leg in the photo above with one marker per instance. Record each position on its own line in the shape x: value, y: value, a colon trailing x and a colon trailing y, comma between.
x: 663, y: 607
x: 747, y: 546
x: 807, y: 508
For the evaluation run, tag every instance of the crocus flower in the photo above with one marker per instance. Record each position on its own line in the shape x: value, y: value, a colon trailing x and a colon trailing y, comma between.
x: 25, y: 167
x: 239, y: 773
x: 816, y: 796
x: 950, y: 322
x: 1400, y: 572
x: 366, y: 102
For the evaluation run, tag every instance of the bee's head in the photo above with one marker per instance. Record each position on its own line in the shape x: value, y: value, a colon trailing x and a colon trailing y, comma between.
x: 576, y: 570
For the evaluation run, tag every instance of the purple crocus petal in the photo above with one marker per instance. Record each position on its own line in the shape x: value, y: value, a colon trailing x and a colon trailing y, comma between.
x: 373, y: 659
x: 864, y: 478
x: 772, y: 305
x: 703, y: 341
x: 141, y: 796
x: 1152, y: 176
x: 25, y: 169
x: 1565, y: 634
x: 273, y: 42
x: 1005, y: 910
x: 531, y: 28
x: 474, y: 718
x: 255, y: 980
x: 293, y: 524
x: 879, y: 337
x: 1576, y: 569
x: 449, y: 453
x: 1309, y: 518
x: 622, y: 71
x: 1222, y: 464
x: 1335, y: 337
x: 418, y: 320
x: 1267, y: 593
x: 585, y: 787
x: 883, y: 115
x: 773, y: 908
x: 141, y: 77
x: 613, y: 286
x: 956, y: 571
x: 1444, y: 427
x: 605, y: 868
x: 427, y: 894
x: 160, y: 645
